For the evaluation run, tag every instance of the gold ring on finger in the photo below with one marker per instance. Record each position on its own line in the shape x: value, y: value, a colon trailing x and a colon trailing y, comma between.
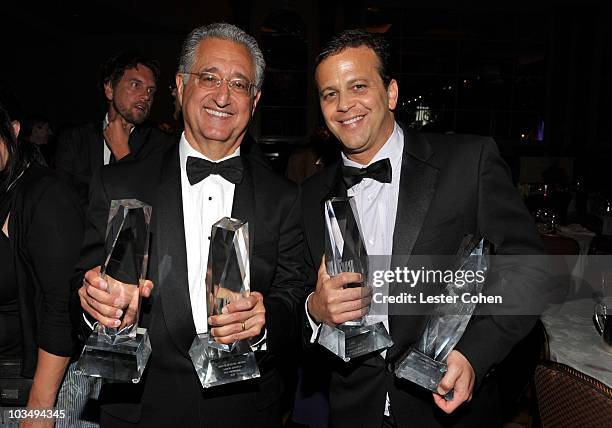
x: 243, y: 326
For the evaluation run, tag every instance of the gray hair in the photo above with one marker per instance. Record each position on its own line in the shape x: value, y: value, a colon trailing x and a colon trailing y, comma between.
x: 223, y: 31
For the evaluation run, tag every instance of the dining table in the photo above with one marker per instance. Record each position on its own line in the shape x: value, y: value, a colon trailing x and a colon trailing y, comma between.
x: 574, y: 340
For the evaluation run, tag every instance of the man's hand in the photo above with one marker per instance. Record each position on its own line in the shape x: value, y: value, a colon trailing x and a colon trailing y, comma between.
x: 117, y: 134
x: 333, y: 303
x: 460, y: 377
x: 106, y: 301
x: 242, y: 319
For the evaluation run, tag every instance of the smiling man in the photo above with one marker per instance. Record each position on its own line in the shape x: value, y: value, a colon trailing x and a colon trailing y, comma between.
x: 129, y: 82
x: 215, y: 171
x: 414, y: 194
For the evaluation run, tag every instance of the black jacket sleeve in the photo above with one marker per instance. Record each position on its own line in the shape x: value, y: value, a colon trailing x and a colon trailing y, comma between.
x: 53, y: 240
x: 518, y: 279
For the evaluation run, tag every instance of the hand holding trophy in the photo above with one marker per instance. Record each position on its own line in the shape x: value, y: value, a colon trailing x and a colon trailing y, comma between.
x: 227, y: 283
x: 117, y: 349
x: 426, y: 364
x: 345, y: 253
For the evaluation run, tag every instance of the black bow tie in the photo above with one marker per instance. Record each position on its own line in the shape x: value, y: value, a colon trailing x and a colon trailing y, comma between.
x: 379, y: 171
x: 198, y: 169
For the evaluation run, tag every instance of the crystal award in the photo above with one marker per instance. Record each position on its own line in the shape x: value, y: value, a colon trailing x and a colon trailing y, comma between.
x: 425, y: 365
x: 345, y: 252
x: 121, y: 353
x: 227, y: 280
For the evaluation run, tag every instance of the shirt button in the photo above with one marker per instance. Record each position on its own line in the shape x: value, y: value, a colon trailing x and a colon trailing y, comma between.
x: 210, y: 198
x: 370, y: 198
x: 371, y: 242
x: 209, y: 238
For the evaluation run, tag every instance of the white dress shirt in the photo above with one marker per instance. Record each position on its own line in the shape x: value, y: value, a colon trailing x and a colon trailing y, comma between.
x: 376, y: 205
x: 204, y: 204
x: 107, y: 151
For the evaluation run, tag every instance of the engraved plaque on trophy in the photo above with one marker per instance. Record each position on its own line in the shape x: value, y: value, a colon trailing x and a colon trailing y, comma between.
x: 121, y: 353
x: 227, y: 280
x: 345, y: 252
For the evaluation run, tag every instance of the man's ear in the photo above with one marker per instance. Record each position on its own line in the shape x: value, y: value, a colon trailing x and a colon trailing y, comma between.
x: 392, y: 94
x: 16, y: 127
x: 255, y: 101
x: 108, y: 91
x: 179, y: 88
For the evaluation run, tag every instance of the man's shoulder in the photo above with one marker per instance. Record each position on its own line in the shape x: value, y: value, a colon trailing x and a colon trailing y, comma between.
x: 265, y: 176
x: 40, y: 180
x: 77, y: 134
x: 457, y: 142
x: 322, y: 179
x: 153, y: 141
x: 151, y: 132
x: 139, y: 169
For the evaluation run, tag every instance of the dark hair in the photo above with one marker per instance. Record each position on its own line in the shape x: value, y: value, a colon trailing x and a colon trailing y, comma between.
x: 357, y: 38
x: 15, y: 158
x: 113, y: 69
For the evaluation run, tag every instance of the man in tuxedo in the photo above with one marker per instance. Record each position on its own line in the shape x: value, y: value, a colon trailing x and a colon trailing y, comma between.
x: 129, y: 81
x: 215, y: 171
x: 415, y: 194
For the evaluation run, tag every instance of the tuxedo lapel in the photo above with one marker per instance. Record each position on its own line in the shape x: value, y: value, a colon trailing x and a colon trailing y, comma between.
x: 417, y: 187
x: 243, y: 206
x: 172, y: 255
x: 335, y: 187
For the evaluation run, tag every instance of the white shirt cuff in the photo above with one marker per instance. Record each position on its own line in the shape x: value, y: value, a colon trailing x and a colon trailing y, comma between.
x: 314, y: 326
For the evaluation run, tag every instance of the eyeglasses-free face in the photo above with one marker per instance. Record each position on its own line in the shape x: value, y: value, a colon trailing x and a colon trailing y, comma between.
x: 133, y: 95
x: 356, y: 105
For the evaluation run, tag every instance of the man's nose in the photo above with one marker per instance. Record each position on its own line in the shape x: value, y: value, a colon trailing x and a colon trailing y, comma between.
x: 222, y: 95
x: 345, y: 102
x: 146, y: 95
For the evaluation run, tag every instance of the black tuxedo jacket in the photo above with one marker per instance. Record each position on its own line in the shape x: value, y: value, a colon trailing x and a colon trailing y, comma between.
x: 450, y: 187
x: 80, y: 152
x: 170, y: 393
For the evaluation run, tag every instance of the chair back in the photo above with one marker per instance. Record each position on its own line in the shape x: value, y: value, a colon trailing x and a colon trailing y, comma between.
x: 569, y: 398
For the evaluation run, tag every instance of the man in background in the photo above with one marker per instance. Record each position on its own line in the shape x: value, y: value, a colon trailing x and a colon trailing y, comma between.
x: 129, y: 82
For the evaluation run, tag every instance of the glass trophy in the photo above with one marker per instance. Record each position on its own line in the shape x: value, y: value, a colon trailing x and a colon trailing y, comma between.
x: 121, y: 353
x: 425, y: 365
x: 345, y: 252
x: 227, y: 280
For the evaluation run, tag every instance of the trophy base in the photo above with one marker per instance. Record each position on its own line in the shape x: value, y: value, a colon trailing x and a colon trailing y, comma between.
x: 422, y: 370
x: 122, y: 362
x: 215, y: 366
x: 348, y: 342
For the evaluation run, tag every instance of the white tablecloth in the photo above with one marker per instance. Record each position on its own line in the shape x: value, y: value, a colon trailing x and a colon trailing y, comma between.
x: 574, y: 340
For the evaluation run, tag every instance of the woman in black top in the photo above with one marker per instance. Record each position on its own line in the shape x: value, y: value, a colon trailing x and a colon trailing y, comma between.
x: 41, y: 231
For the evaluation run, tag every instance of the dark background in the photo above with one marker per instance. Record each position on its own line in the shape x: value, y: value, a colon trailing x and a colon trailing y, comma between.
x: 533, y: 74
